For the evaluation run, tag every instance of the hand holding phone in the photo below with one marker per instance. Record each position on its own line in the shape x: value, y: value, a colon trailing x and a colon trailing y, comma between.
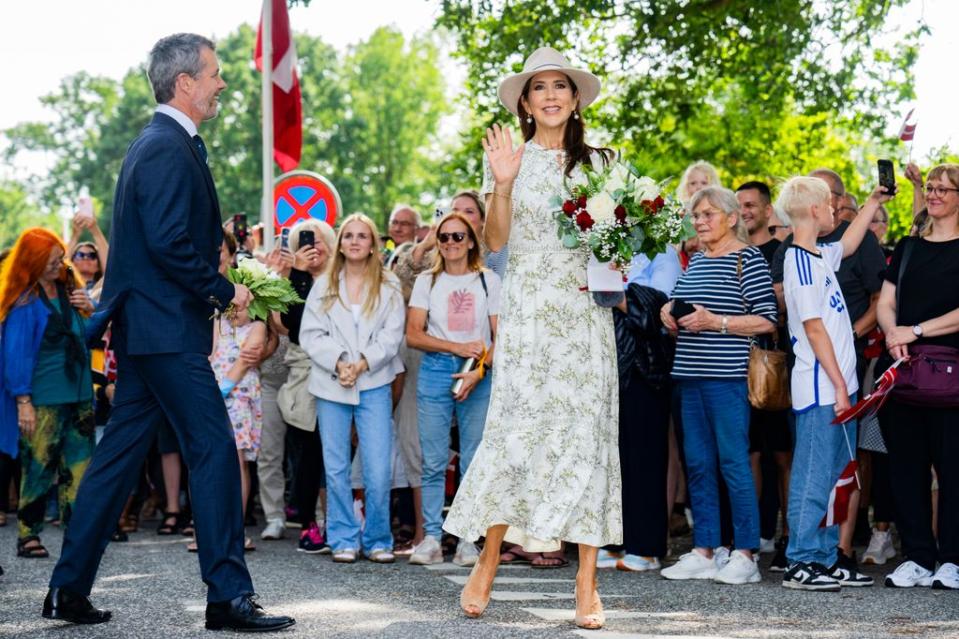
x: 681, y: 308
x: 306, y: 238
x: 285, y: 239
x: 887, y: 176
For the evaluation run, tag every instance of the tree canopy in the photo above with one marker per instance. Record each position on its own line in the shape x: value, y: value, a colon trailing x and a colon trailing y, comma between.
x: 369, y: 118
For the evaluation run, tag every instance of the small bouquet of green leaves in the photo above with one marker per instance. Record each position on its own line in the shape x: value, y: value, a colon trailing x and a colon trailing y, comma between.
x: 270, y: 291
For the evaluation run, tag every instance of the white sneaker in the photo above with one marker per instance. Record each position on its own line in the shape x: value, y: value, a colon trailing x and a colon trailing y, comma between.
x: 692, y: 565
x: 607, y: 559
x: 466, y: 553
x: 275, y: 529
x: 909, y: 574
x: 721, y: 556
x: 740, y: 569
x: 880, y: 548
x: 635, y: 563
x: 766, y: 546
x: 427, y: 552
x: 946, y: 578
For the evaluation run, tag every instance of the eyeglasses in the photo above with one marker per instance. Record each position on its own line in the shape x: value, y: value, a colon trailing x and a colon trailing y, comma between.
x: 939, y: 191
x: 879, y: 221
x: 707, y: 217
x: 85, y: 255
x: 457, y: 237
x: 400, y: 223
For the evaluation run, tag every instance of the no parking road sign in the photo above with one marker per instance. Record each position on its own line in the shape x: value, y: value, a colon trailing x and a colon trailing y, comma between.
x: 304, y: 195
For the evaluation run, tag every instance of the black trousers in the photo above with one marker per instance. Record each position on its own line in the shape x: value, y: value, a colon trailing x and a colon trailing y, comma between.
x: 919, y: 439
x: 643, y: 454
x: 308, y: 473
x: 883, y: 508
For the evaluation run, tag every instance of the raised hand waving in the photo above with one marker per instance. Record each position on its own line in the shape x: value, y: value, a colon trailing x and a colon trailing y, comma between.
x: 504, y: 160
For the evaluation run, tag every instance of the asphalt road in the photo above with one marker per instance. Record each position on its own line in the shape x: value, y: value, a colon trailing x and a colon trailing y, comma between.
x: 152, y: 585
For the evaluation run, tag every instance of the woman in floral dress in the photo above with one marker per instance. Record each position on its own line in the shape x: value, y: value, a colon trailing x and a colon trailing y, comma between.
x: 547, y: 469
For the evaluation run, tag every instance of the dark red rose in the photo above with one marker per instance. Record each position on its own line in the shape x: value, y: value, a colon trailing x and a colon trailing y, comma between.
x: 582, y: 201
x: 658, y: 203
x: 569, y: 207
x: 584, y: 221
x: 648, y: 206
x: 620, y: 213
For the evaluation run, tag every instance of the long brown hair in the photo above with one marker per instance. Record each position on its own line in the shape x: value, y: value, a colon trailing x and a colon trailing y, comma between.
x: 474, y: 260
x: 574, y: 138
x: 373, y: 277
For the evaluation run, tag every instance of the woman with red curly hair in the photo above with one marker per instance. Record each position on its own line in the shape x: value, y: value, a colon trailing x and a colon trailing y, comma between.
x: 45, y: 387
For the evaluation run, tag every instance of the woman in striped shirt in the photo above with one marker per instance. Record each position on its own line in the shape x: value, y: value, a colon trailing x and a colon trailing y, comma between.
x: 728, y: 297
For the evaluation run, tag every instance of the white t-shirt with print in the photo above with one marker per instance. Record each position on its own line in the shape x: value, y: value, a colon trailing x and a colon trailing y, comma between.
x: 812, y: 291
x: 458, y: 308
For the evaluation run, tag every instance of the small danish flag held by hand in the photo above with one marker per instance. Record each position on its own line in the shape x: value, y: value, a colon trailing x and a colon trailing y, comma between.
x: 838, y: 507
x: 908, y: 130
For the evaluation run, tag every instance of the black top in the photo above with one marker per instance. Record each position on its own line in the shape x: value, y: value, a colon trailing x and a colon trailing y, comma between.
x: 860, y: 274
x: 930, y: 284
x: 302, y: 283
x: 769, y: 250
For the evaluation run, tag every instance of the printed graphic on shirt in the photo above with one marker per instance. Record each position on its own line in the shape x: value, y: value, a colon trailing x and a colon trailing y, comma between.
x: 461, y: 312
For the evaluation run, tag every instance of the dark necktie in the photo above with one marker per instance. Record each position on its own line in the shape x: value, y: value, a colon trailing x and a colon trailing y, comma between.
x: 198, y: 142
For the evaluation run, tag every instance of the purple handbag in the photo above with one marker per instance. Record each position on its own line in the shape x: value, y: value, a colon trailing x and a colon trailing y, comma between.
x: 929, y: 378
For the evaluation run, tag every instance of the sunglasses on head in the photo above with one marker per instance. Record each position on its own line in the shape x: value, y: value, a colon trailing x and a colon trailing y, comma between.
x: 457, y: 236
x: 85, y: 255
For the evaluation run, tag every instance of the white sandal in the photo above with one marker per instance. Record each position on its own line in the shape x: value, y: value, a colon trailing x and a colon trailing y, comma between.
x: 382, y: 556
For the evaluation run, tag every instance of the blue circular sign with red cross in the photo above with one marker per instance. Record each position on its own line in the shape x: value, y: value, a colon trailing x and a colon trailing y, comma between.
x: 304, y: 195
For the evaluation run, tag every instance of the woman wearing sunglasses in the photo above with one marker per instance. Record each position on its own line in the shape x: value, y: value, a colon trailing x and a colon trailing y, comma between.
x: 89, y: 258
x: 452, y: 317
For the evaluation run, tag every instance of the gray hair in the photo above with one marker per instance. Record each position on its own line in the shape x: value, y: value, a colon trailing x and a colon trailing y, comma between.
x: 418, y: 219
x: 724, y: 200
x: 171, y: 56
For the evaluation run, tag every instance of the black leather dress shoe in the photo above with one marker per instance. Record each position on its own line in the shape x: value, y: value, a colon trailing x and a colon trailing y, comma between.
x: 243, y: 615
x: 69, y: 606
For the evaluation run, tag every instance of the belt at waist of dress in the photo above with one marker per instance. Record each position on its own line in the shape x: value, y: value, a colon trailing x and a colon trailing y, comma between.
x: 534, y: 249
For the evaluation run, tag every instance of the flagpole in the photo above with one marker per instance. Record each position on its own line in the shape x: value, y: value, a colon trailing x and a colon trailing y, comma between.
x: 266, y: 83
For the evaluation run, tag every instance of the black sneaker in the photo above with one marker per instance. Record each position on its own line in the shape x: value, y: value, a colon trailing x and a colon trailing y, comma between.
x: 780, y: 563
x: 846, y: 571
x: 812, y: 576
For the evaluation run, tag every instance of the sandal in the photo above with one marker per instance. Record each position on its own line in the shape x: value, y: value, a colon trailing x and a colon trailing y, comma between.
x: 119, y: 536
x: 549, y: 562
x: 188, y: 529
x: 130, y: 524
x: 31, y: 552
x: 248, y: 545
x: 166, y: 528
x: 514, y: 558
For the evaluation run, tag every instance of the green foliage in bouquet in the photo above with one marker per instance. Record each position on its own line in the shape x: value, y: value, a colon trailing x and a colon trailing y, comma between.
x: 270, y: 291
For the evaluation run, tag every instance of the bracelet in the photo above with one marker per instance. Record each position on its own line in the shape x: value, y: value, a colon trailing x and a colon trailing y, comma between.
x: 505, y: 196
x: 23, y: 402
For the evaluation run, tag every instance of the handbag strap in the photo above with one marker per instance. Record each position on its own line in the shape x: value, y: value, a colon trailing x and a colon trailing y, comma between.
x: 906, y: 254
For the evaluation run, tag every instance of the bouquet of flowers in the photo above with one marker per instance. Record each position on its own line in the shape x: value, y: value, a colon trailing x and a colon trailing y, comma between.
x: 270, y: 291
x: 618, y: 214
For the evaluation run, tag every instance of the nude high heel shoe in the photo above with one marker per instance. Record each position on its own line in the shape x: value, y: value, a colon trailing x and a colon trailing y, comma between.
x: 593, y: 620
x: 473, y: 607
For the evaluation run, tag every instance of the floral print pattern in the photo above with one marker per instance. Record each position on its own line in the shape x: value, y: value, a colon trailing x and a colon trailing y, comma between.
x: 548, y: 465
x: 244, y: 402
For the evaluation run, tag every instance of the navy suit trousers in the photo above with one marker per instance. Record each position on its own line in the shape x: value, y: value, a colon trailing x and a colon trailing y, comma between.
x: 181, y: 388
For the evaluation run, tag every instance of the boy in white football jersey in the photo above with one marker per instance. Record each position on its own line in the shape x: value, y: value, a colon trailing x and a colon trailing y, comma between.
x: 823, y: 379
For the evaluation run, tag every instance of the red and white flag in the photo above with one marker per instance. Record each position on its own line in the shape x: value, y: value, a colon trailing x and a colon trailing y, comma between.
x: 287, y: 107
x: 908, y: 130
x: 838, y: 506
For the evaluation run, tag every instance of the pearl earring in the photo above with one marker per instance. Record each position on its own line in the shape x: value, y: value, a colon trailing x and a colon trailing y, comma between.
x: 529, y: 119
x: 575, y: 115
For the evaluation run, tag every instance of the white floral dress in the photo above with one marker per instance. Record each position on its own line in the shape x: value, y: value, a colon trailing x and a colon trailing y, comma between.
x: 548, y: 465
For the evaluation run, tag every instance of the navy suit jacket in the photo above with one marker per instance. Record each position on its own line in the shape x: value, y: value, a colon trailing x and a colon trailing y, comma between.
x: 162, y: 285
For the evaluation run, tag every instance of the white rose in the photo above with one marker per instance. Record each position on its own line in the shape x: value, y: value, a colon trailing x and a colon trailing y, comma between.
x: 252, y: 266
x: 646, y: 189
x: 618, y: 178
x: 601, y: 207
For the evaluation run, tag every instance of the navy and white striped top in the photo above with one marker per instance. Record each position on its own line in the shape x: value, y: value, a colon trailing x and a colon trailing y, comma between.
x: 714, y: 283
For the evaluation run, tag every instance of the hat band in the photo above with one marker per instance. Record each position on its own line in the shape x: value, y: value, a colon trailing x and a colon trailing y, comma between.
x: 548, y: 64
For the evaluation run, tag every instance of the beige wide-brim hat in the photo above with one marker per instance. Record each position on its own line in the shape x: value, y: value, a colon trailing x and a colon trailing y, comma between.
x: 548, y: 59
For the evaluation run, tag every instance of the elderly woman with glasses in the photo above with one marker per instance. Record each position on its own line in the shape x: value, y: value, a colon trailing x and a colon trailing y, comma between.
x: 724, y: 298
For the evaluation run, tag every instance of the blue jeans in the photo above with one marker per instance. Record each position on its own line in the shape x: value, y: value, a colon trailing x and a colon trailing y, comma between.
x: 818, y: 459
x: 435, y: 408
x: 374, y: 426
x: 716, y: 439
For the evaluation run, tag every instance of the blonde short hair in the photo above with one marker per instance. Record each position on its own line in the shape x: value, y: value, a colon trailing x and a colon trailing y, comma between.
x: 321, y: 230
x: 707, y: 169
x: 799, y: 194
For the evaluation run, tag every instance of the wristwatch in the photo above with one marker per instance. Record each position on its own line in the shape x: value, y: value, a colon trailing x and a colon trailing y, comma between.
x: 724, y: 328
x: 917, y: 330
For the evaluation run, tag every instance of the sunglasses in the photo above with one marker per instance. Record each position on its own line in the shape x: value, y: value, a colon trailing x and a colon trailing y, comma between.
x: 457, y: 237
x: 85, y: 255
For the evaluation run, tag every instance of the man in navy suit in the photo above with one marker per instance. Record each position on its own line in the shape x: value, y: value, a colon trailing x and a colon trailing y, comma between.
x: 160, y: 291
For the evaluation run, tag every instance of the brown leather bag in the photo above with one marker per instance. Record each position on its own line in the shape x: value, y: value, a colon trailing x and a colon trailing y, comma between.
x: 768, y: 376
x: 768, y: 379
